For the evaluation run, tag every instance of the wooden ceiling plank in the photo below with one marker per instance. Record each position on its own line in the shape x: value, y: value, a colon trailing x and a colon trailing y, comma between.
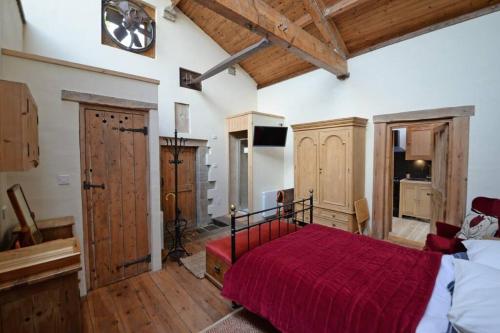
x: 330, y: 11
x: 437, y: 26
x: 327, y: 28
x: 264, y: 20
x: 343, y: 6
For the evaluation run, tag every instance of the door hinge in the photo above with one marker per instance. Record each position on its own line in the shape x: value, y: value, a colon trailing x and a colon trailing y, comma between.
x: 143, y: 130
x: 135, y: 261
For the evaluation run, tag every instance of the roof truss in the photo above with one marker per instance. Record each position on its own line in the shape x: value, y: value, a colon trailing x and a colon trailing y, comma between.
x: 327, y: 28
x: 328, y: 12
x: 264, y: 20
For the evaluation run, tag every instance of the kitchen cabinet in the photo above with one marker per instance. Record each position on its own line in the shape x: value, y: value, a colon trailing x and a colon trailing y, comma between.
x: 19, y: 149
x: 419, y: 142
x: 415, y: 199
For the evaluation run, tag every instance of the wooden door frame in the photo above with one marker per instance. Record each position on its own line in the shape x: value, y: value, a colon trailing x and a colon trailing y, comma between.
x: 458, y: 119
x: 83, y: 107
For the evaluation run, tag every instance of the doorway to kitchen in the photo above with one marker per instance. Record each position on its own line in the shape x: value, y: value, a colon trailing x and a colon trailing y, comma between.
x: 412, y: 185
x: 420, y: 172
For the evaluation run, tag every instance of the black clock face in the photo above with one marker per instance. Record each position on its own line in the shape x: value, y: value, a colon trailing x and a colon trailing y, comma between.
x: 128, y: 25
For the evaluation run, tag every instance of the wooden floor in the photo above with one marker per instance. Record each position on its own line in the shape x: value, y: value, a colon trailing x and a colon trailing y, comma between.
x: 171, y: 300
x: 413, y: 231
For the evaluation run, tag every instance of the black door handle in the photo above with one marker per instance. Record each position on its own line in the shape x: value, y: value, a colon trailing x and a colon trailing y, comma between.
x: 88, y: 186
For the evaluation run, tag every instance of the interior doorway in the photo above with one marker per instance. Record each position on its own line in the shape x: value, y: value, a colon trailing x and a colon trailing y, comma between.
x: 186, y: 189
x: 424, y: 182
x: 114, y: 160
x: 412, y: 182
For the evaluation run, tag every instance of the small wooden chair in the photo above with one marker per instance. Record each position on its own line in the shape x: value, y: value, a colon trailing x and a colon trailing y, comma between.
x: 362, y: 214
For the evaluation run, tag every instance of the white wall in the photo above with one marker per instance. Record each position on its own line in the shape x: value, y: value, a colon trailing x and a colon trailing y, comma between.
x: 455, y: 66
x: 52, y: 31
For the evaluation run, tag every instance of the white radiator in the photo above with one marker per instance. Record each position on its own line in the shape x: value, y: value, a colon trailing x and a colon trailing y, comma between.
x: 269, y: 201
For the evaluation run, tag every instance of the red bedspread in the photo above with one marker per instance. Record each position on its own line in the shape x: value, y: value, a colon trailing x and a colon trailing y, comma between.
x: 320, y: 279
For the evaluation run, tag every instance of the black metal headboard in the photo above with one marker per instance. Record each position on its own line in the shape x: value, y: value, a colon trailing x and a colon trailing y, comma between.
x: 300, y: 214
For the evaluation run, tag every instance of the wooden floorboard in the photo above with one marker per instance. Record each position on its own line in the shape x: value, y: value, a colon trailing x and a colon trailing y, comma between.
x: 170, y: 300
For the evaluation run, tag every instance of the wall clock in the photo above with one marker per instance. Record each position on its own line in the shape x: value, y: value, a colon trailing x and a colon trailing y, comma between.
x: 128, y: 25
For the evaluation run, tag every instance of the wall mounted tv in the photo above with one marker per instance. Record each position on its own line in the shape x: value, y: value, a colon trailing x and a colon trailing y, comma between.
x: 269, y: 136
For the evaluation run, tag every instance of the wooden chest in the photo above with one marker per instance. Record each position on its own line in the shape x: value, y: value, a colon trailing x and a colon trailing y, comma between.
x: 39, y: 288
x: 215, y: 270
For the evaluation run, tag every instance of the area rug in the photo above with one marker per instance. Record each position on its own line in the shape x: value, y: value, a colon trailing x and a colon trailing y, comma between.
x: 241, y: 320
x: 196, y: 264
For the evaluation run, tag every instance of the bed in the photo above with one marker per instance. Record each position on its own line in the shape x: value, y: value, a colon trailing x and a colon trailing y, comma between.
x: 320, y: 279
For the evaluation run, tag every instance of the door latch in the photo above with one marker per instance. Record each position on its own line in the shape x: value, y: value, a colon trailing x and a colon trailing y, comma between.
x: 88, y: 186
x: 143, y: 130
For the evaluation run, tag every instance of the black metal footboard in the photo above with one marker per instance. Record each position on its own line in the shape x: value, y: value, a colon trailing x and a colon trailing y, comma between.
x: 300, y: 215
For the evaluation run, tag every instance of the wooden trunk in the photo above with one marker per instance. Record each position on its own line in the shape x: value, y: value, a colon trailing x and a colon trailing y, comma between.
x: 329, y: 158
x: 216, y: 269
x: 39, y: 288
x: 19, y: 149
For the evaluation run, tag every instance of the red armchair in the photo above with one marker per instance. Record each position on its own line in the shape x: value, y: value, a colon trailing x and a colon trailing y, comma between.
x: 445, y: 241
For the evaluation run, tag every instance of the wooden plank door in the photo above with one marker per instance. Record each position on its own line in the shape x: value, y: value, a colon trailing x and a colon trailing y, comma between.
x: 115, y: 174
x: 306, y: 164
x: 334, y: 172
x: 187, y: 186
x: 439, y: 175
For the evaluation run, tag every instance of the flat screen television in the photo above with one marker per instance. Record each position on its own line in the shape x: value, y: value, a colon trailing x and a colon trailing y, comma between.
x: 269, y: 136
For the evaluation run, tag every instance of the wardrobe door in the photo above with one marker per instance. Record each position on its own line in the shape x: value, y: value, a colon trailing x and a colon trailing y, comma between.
x: 306, y: 164
x: 334, y: 170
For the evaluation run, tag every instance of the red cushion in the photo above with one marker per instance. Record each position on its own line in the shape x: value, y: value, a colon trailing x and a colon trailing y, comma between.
x: 222, y: 247
x: 444, y: 245
x: 446, y: 230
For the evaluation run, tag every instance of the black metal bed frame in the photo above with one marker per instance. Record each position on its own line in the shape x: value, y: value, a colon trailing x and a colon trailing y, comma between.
x: 307, y: 206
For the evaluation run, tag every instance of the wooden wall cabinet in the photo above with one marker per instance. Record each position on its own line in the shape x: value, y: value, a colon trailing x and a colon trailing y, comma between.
x: 415, y: 199
x: 419, y: 142
x: 19, y: 149
x: 329, y: 158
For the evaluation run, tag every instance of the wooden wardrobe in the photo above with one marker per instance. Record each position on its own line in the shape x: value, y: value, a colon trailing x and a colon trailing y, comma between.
x: 329, y: 158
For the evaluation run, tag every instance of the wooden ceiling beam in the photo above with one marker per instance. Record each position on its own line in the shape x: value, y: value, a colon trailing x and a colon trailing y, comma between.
x: 331, y: 11
x: 264, y: 20
x: 327, y: 28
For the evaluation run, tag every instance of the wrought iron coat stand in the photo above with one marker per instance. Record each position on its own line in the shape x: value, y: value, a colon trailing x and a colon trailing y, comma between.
x: 177, y: 250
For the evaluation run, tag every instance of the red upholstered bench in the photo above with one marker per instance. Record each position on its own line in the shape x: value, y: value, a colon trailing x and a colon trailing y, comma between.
x: 218, y: 259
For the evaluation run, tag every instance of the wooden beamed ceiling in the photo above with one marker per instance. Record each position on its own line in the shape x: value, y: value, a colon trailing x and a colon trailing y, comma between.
x: 346, y: 27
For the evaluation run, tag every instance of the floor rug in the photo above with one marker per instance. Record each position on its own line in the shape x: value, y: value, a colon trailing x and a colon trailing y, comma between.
x: 241, y: 320
x: 196, y: 264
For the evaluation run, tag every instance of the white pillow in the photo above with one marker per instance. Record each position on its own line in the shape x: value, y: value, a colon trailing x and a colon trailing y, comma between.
x: 485, y: 252
x: 476, y: 298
